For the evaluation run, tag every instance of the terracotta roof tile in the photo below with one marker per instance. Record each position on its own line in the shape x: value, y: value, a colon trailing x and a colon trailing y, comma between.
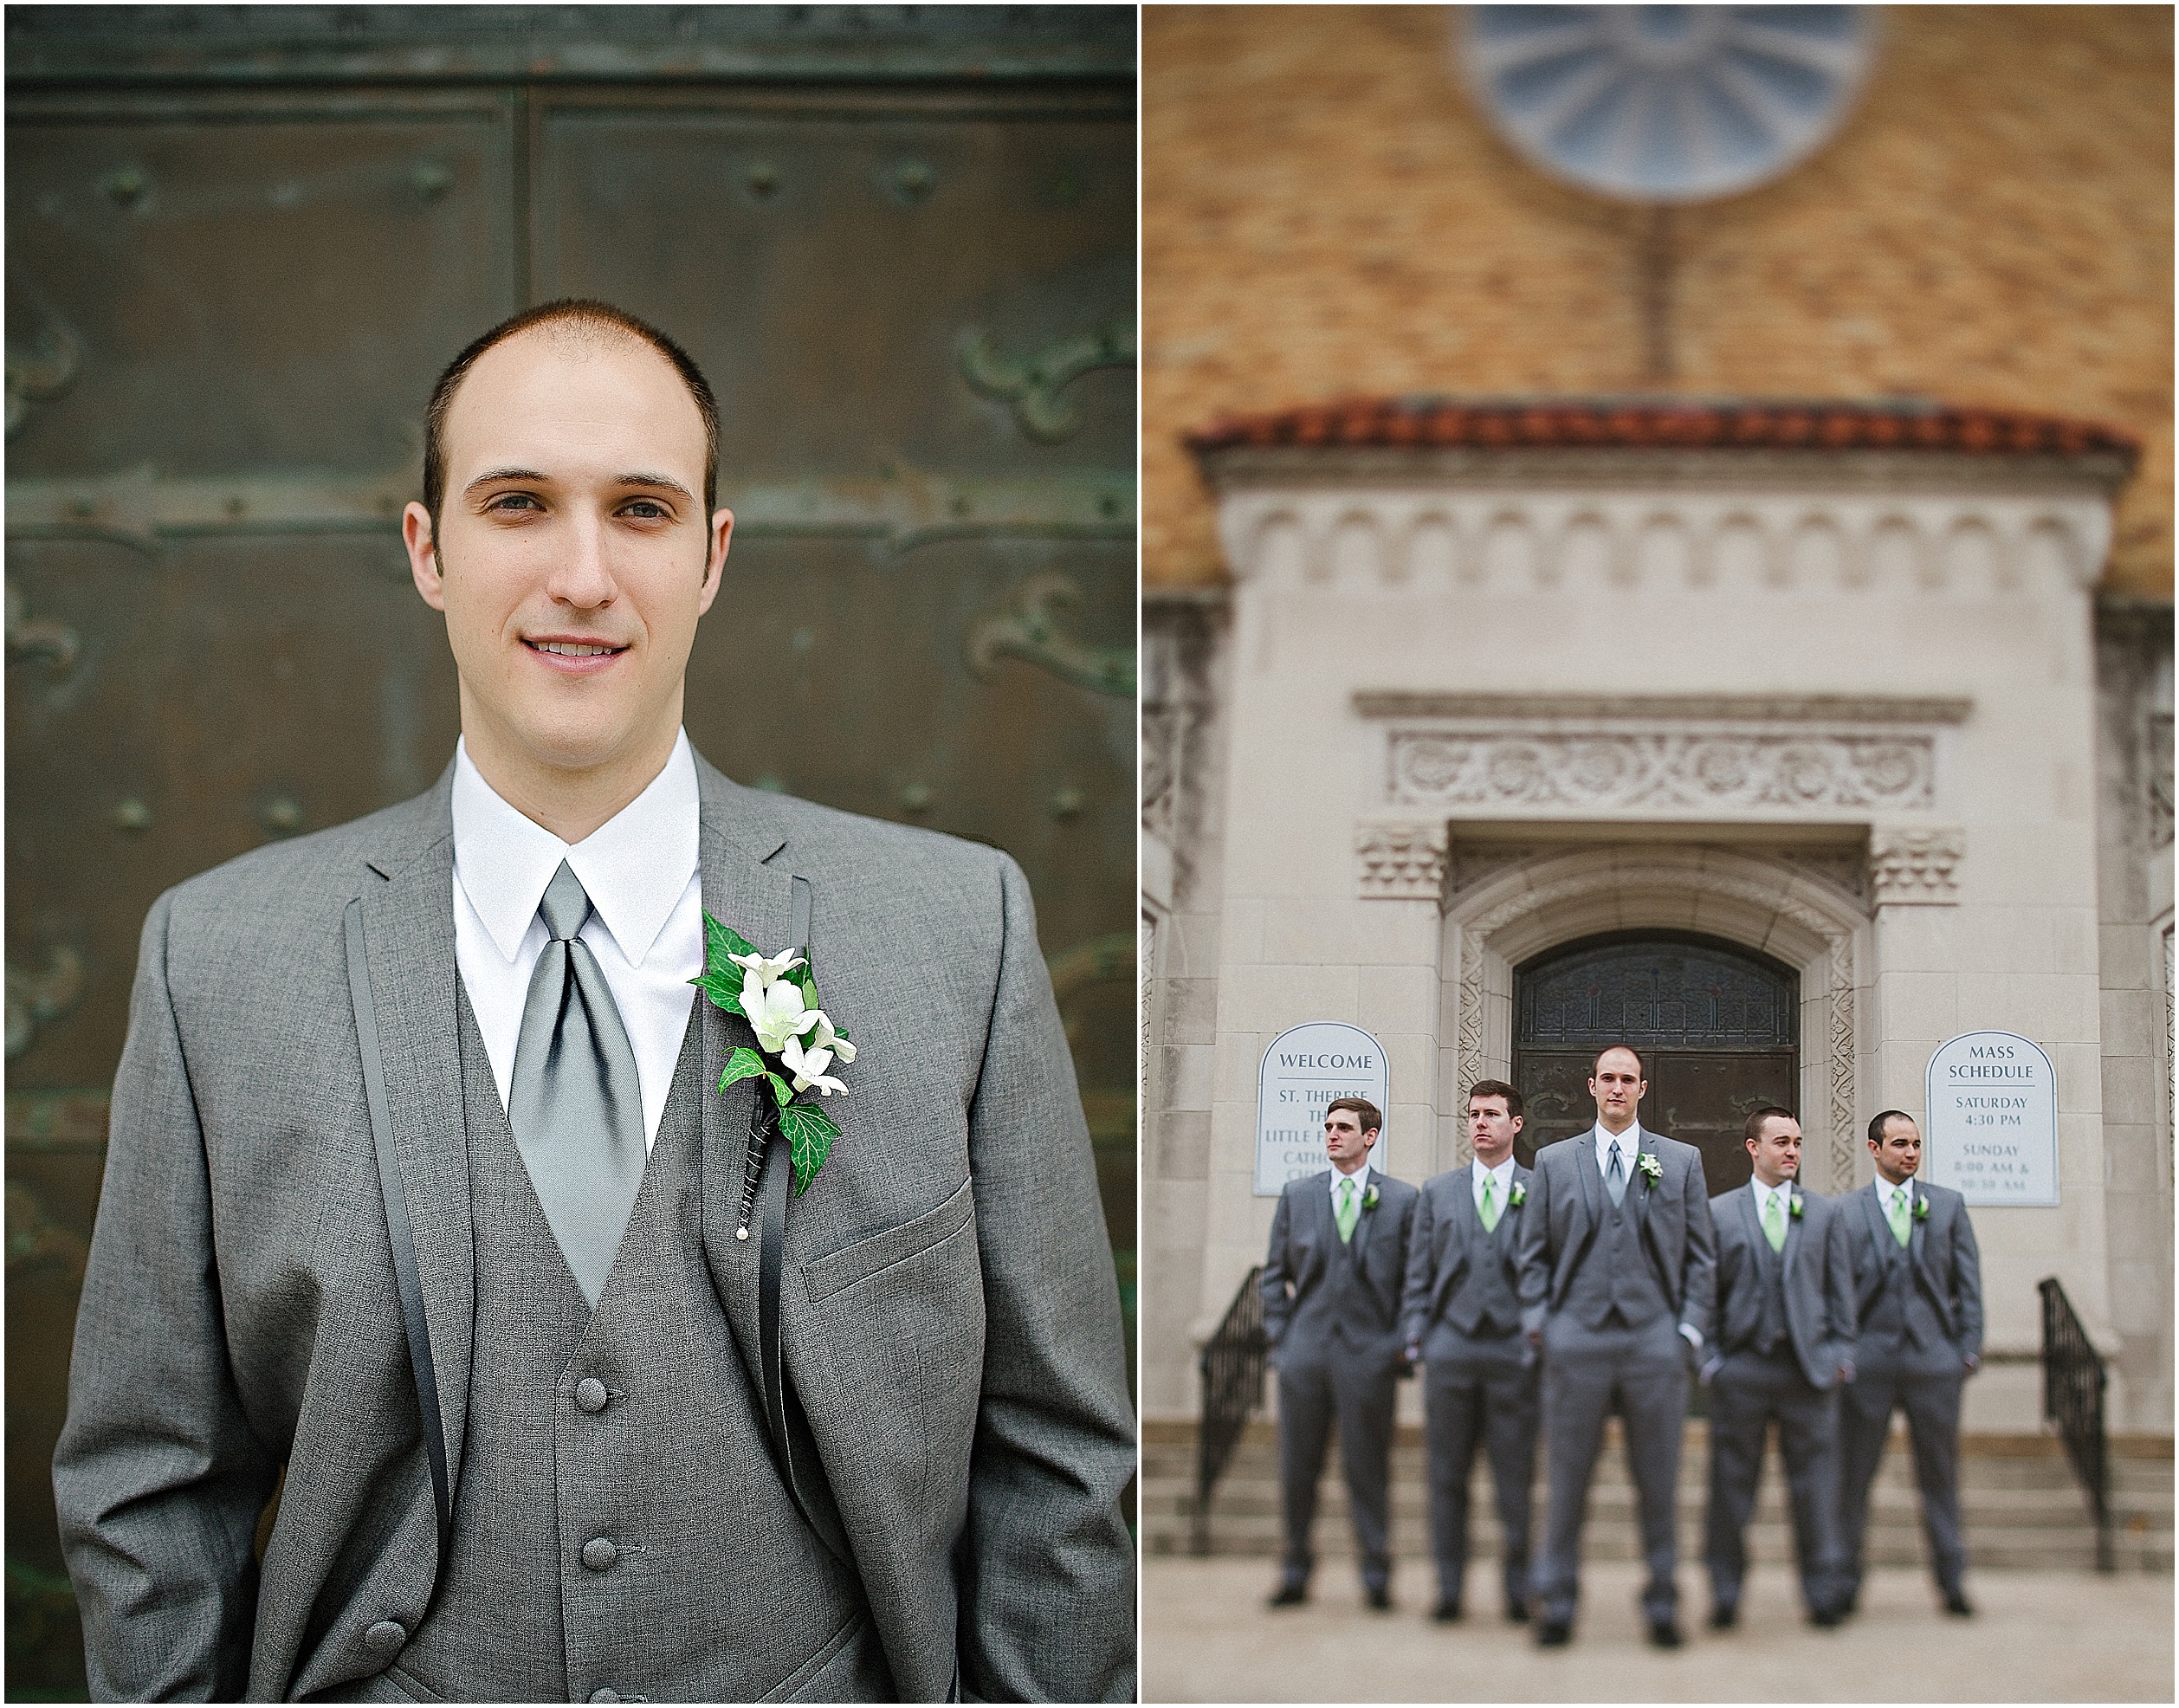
x: 1555, y: 424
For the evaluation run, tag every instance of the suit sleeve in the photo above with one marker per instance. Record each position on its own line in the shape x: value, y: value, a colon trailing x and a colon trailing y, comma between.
x: 158, y: 1479
x: 1046, y: 1571
x: 1838, y: 1306
x: 1414, y: 1298
x: 1967, y: 1283
x: 1536, y: 1251
x: 1277, y: 1307
x: 1700, y: 1287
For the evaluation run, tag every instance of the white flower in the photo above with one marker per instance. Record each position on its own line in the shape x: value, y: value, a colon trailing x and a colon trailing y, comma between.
x: 825, y: 1038
x: 808, y: 1068
x: 767, y: 967
x: 776, y: 1011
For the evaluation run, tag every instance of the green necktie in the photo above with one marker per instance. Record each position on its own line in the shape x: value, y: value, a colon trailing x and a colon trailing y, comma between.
x: 1346, y: 1214
x: 1775, y: 1222
x: 1898, y: 1212
x: 1490, y: 1203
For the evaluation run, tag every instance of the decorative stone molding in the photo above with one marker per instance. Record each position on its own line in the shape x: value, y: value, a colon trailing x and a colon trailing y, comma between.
x: 1915, y: 865
x: 1742, y: 897
x: 1400, y: 861
x: 1616, y: 770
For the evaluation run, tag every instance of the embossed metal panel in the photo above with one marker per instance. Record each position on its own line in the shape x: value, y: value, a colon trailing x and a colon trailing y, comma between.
x: 1718, y: 1028
x: 242, y: 242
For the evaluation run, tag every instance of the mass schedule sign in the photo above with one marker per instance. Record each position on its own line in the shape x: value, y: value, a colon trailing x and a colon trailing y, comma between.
x: 1993, y: 1126
x: 1305, y: 1067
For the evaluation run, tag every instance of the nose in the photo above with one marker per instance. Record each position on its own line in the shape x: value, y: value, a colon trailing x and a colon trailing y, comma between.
x: 581, y: 577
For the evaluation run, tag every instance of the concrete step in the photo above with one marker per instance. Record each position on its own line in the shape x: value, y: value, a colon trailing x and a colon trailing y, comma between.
x: 2020, y: 1502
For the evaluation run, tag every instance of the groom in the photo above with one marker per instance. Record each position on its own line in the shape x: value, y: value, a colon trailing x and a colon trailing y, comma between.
x: 426, y: 1213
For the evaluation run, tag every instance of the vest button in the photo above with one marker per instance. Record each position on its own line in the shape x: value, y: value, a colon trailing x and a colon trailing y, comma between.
x: 598, y: 1554
x: 604, y: 1694
x: 590, y: 1395
x: 385, y: 1637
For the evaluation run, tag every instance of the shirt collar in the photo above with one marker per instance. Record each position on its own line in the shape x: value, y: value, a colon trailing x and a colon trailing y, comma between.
x: 1764, y: 1193
x: 634, y: 867
x: 1503, y: 1172
x: 1630, y: 1139
x: 1361, y: 1178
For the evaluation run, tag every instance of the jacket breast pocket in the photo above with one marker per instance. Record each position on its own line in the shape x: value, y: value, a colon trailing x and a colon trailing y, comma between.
x: 823, y: 1276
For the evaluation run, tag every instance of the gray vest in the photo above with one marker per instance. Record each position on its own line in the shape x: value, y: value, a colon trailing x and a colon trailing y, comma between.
x: 1483, y: 1304
x: 1771, y: 1326
x: 1901, y: 1314
x: 619, y: 1526
x: 1626, y: 1284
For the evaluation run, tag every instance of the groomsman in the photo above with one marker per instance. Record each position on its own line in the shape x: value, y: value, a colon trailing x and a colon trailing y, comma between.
x: 1781, y: 1342
x: 1331, y: 1312
x: 1617, y: 1262
x: 1918, y: 1307
x: 1463, y: 1317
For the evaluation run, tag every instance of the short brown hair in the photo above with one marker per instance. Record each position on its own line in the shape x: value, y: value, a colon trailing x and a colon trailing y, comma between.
x: 1365, y: 1112
x: 582, y: 312
x: 1877, y: 1123
x: 1752, y: 1128
x: 1640, y: 1067
x: 1497, y: 1088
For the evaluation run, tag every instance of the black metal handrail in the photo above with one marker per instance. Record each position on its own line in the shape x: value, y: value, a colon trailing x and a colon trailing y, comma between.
x: 2073, y: 1383
x: 1232, y: 1370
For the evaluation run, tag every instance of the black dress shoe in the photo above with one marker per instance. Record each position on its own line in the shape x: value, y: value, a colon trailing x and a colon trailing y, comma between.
x: 1378, y: 1597
x: 1517, y: 1612
x: 1725, y: 1617
x: 1827, y: 1618
x: 1554, y: 1633
x: 1445, y: 1612
x: 1958, y: 1606
x: 1289, y: 1595
x: 1664, y: 1633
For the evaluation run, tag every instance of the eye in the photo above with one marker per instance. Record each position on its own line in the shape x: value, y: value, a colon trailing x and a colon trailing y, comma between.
x: 647, y: 510
x: 514, y: 500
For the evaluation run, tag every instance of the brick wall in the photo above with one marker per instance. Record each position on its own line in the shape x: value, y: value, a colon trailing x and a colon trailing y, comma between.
x: 1325, y: 213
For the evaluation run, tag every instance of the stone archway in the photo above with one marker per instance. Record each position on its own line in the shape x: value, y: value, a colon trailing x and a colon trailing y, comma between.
x: 1758, y: 900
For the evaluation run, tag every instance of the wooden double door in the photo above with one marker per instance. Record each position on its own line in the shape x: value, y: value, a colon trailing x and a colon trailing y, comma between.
x: 1717, y: 1026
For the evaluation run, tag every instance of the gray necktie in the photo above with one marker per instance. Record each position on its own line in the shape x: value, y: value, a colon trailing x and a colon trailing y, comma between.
x: 577, y: 1113
x: 1615, y: 1176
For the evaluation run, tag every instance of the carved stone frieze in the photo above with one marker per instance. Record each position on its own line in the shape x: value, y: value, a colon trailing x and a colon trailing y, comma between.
x: 1400, y: 861
x: 1915, y: 865
x: 1604, y: 768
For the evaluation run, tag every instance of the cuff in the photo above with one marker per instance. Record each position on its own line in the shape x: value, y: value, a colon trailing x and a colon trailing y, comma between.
x: 1694, y: 1335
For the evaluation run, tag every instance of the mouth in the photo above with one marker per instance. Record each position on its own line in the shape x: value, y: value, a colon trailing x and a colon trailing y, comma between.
x: 570, y: 655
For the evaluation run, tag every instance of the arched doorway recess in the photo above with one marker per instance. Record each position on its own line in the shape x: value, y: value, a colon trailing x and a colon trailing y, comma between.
x: 1751, y: 899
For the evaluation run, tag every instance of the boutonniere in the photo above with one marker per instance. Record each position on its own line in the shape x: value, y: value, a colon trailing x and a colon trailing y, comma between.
x: 1369, y: 1196
x: 1794, y: 1202
x: 1653, y: 1170
x: 1921, y: 1207
x: 797, y: 1042
x: 1518, y: 1196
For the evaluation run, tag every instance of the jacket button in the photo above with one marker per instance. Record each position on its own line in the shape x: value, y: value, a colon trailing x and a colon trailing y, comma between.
x: 385, y: 1636
x: 590, y: 1395
x: 598, y: 1554
x: 604, y: 1694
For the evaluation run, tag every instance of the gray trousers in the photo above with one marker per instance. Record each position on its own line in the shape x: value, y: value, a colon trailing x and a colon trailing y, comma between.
x: 1588, y: 1373
x: 1749, y: 1391
x: 1314, y: 1388
x: 1483, y: 1396
x: 1932, y: 1406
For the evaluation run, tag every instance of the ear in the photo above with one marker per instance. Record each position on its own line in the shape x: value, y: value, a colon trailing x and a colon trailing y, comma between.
x: 714, y: 558
x: 424, y: 555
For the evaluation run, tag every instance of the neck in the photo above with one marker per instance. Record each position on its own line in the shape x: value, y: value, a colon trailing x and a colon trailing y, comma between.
x: 1494, y: 1161
x: 1612, y: 1127
x: 1773, y: 1184
x: 1891, y: 1179
x: 570, y: 802
x: 1353, y: 1167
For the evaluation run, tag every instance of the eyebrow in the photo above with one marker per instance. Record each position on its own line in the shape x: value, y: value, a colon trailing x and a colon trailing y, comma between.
x: 654, y: 483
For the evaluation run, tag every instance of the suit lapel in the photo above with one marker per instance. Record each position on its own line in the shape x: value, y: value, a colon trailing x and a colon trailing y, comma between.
x: 1872, y: 1195
x: 1363, y: 1218
x: 749, y: 884
x: 407, y: 929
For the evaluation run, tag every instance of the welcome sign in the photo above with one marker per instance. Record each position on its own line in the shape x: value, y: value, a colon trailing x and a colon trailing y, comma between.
x: 1993, y: 1126
x: 1307, y: 1067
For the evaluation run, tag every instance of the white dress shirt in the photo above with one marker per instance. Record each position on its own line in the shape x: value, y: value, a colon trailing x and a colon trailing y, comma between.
x: 1765, y: 1193
x: 1361, y: 1178
x: 1502, y: 1174
x: 646, y: 925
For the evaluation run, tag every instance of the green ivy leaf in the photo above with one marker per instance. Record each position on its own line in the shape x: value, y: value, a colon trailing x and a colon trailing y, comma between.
x: 721, y: 979
x: 722, y: 940
x: 808, y: 985
x: 782, y: 1093
x: 810, y: 1133
x: 744, y: 1064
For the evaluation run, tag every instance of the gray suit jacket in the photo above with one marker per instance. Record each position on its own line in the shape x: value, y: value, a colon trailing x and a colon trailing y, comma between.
x: 1340, y: 1292
x: 1566, y: 1200
x: 1937, y: 1283
x: 1449, y: 1248
x: 1819, y: 1281
x: 949, y: 1317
